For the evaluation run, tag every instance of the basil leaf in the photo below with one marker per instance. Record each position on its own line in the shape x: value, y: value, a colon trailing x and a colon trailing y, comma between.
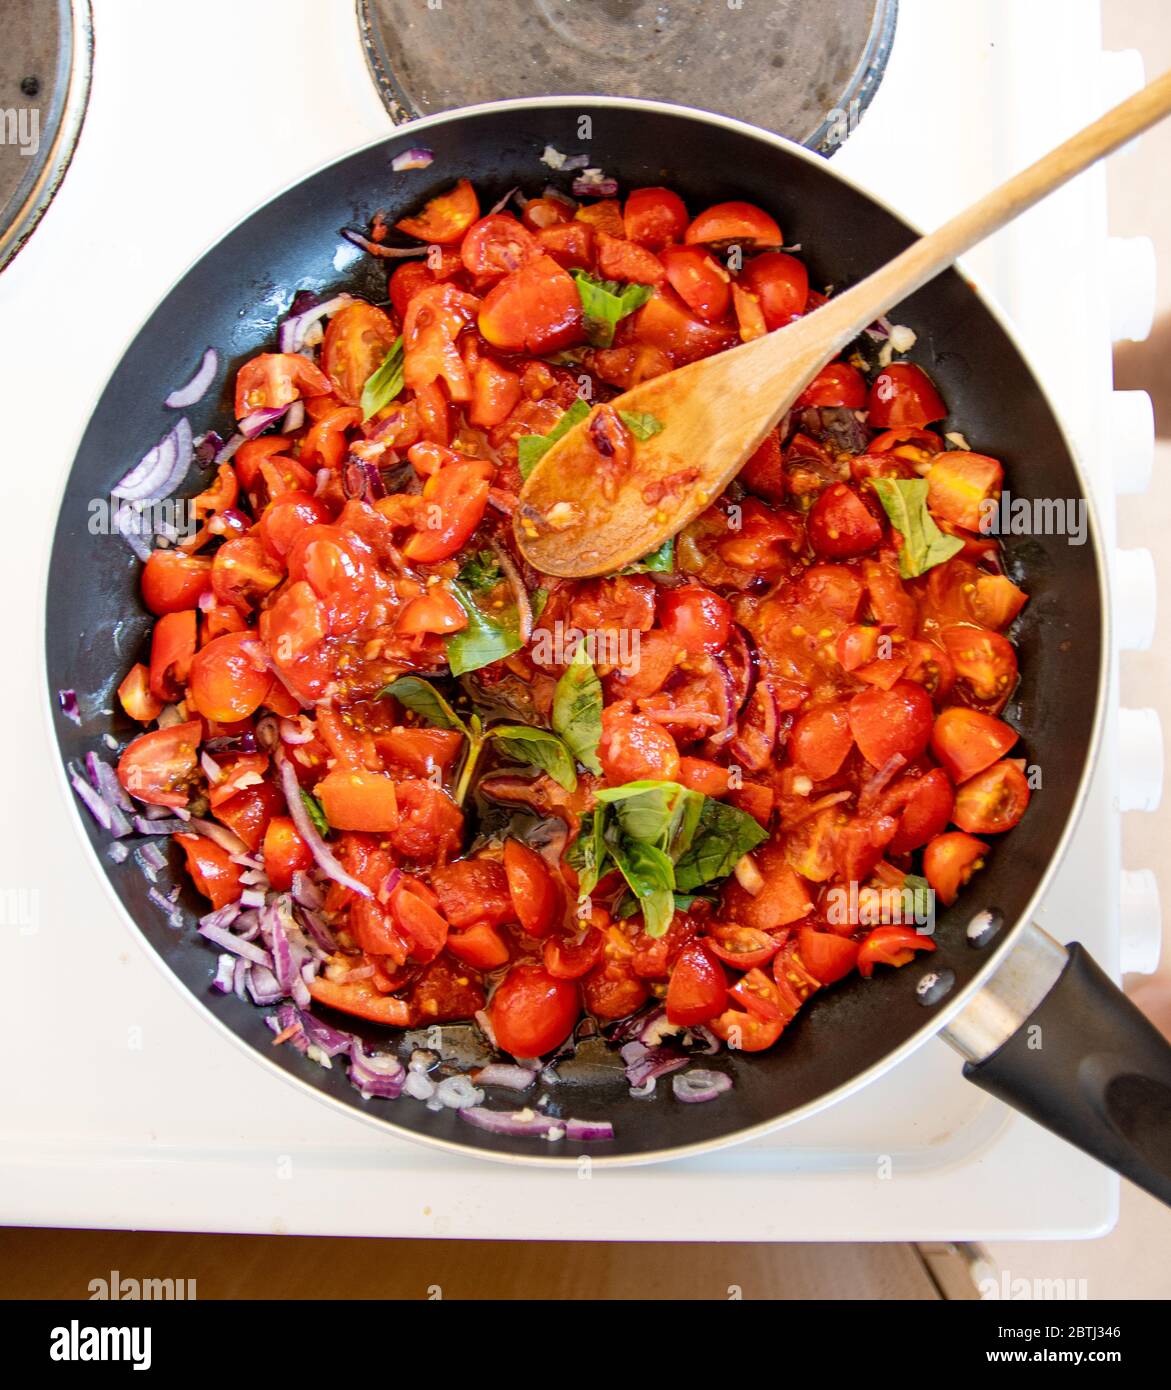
x: 421, y: 698
x: 641, y: 423
x: 538, y: 747
x: 537, y: 601
x: 721, y: 838
x: 532, y: 448
x: 480, y: 643
x: 923, y: 545
x: 651, y: 877
x: 922, y: 901
x: 628, y: 905
x: 577, y: 709
x: 663, y: 814
x: 316, y: 814
x: 605, y: 303
x: 588, y: 853
x: 481, y: 572
x: 661, y: 561
x: 385, y: 383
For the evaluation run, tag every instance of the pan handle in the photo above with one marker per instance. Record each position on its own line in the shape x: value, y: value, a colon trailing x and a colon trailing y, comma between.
x: 1077, y: 1057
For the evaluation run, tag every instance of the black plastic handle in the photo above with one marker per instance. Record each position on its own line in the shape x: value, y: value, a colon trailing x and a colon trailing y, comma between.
x: 1089, y: 1066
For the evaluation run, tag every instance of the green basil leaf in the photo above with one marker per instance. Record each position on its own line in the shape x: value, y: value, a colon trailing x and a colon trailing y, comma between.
x: 532, y: 448
x: 421, y: 698
x: 641, y: 423
x: 481, y: 572
x: 316, y: 814
x: 651, y: 877
x: 537, y: 601
x: 661, y: 561
x: 480, y: 643
x: 923, y: 900
x: 663, y: 814
x: 538, y: 747
x: 723, y: 835
x: 605, y: 303
x: 577, y: 709
x: 588, y: 853
x: 628, y: 905
x: 385, y: 383
x: 923, y: 545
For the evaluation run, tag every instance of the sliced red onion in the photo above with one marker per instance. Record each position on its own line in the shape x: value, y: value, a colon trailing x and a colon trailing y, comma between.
x: 417, y: 158
x: 246, y: 950
x: 198, y: 386
x: 657, y: 1028
x: 520, y: 1124
x: 128, y: 524
x: 318, y: 933
x: 263, y: 986
x: 484, y: 1023
x: 524, y: 609
x: 107, y: 815
x: 105, y: 780
x: 153, y: 859
x: 877, y: 783
x: 586, y: 1131
x: 223, y: 916
x: 229, y: 448
x: 645, y: 1064
x: 376, y: 1074
x: 375, y: 248
x: 220, y: 834
x: 300, y: 320
x: 67, y: 699
x: 362, y: 480
x: 742, y: 662
x: 232, y: 743
x: 592, y: 183
x: 206, y: 446
x: 294, y: 733
x: 559, y: 195
x: 332, y: 1041
x: 290, y: 950
x: 501, y: 203
x: 728, y: 696
x: 756, y: 735
x: 503, y: 1074
x: 699, y: 1085
x: 259, y: 420
x: 252, y: 897
x: 306, y: 893
x: 161, y: 469
x: 211, y: 769
x: 225, y: 973
x: 294, y: 418
x: 167, y: 905
x: 169, y: 825
x: 458, y: 1093
x: 117, y: 852
x: 309, y: 833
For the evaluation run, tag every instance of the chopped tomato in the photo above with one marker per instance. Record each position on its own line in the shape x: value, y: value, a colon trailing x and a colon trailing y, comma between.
x: 633, y: 747
x: 435, y: 611
x: 536, y: 898
x: 625, y: 261
x: 243, y: 571
x: 446, y: 991
x: 735, y: 221
x: 272, y: 380
x: 962, y: 486
x: 418, y: 921
x: 746, y: 1032
x: 211, y: 869
x: 230, y: 677
x: 781, y: 284
x: 950, y: 860
x: 985, y: 661
x: 665, y: 322
x: 481, y: 946
x: 923, y: 806
x: 654, y: 217
x: 569, y: 958
x: 821, y: 739
x: 474, y: 890
x: 172, y: 650
x: 135, y: 695
x: 903, y: 396
x: 536, y: 309
x: 453, y: 506
x: 697, y: 619
x: 890, y: 945
x: 966, y: 741
x: 434, y: 320
x: 159, y: 767
x: 826, y: 955
x: 533, y: 1012
x: 495, y: 246
x: 445, y: 218
x: 742, y: 947
x: 358, y: 338
x: 285, y: 853
x: 173, y: 581
x: 841, y: 525
x: 889, y: 722
x: 993, y: 800
x: 837, y: 384
x: 698, y: 987
x: 283, y: 520
x: 354, y: 799
x: 361, y: 998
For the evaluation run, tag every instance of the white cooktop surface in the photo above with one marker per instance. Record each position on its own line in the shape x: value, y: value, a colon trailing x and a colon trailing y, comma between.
x: 121, y: 1106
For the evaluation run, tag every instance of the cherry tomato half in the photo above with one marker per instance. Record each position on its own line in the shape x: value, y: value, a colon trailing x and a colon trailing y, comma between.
x: 993, y: 800
x: 903, y: 396
x: 532, y: 1012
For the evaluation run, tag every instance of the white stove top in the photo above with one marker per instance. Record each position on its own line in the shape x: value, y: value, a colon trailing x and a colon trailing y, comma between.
x: 125, y: 1109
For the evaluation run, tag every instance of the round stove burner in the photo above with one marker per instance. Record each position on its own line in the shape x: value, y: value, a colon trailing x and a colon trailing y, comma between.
x: 45, y: 63
x: 806, y: 69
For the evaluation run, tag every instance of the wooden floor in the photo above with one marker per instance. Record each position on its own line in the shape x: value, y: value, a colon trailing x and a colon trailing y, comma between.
x: 61, y: 1264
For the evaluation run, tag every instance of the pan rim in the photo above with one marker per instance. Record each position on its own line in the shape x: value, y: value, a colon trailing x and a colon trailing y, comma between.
x: 933, y: 1023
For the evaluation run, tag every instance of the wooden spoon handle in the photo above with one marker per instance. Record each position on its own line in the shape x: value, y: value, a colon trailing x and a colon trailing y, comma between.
x: 847, y: 314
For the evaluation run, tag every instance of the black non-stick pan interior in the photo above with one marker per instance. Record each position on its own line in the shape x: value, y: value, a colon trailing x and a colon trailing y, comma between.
x: 233, y: 297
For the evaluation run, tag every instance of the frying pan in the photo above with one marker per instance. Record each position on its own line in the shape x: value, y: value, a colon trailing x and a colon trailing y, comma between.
x: 1040, y: 1027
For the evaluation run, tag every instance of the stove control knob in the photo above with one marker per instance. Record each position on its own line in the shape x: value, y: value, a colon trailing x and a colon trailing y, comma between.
x: 1140, y: 760
x: 1130, y: 429
x: 1135, y: 599
x: 1123, y: 74
x: 1131, y: 281
x: 1141, y: 923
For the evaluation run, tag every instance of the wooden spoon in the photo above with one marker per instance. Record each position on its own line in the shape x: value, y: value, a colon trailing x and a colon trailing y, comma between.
x: 575, y: 518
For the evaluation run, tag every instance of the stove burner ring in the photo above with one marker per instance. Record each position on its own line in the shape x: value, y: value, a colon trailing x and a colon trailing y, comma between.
x: 806, y: 69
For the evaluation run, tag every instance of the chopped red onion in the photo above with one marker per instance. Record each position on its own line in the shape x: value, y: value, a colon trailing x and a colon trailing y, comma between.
x: 109, y: 817
x: 153, y: 859
x: 67, y: 699
x: 501, y: 203
x: 306, y: 893
x: 644, y: 1063
x: 225, y: 974
x: 417, y: 158
x: 586, y: 1131
x: 220, y: 835
x: 503, y: 1074
x: 592, y: 183
x: 198, y: 386
x: 259, y: 420
x: 376, y: 1074
x: 458, y: 1093
x: 206, y: 447
x: 246, y: 950
x: 160, y: 825
x: 174, y: 915
x: 105, y: 781
x: 699, y: 1085
x: 128, y: 524
x: 229, y: 448
x: 300, y: 320
x: 263, y: 986
x: 309, y: 833
x: 294, y: 418
x: 375, y: 248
